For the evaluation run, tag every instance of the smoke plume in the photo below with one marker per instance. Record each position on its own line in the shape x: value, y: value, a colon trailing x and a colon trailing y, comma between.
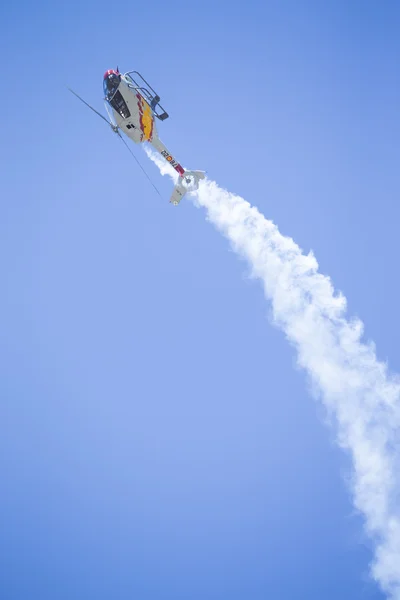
x: 357, y: 391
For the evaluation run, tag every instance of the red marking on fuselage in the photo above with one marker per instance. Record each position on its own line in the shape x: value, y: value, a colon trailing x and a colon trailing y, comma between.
x: 110, y: 72
x: 139, y: 97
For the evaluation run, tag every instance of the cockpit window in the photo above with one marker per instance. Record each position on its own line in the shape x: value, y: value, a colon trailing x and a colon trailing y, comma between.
x: 114, y: 97
x: 119, y: 105
x: 110, y: 85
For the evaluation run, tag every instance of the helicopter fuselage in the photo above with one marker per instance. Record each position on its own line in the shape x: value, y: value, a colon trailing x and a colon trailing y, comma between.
x: 132, y: 113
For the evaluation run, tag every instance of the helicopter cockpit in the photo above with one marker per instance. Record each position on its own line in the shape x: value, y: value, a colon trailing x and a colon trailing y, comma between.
x: 111, y: 81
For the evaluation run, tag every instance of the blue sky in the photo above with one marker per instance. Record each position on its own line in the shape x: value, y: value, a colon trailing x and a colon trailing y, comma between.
x: 157, y: 439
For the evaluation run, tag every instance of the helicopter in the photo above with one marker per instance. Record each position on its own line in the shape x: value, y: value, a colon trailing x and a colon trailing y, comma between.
x: 135, y: 106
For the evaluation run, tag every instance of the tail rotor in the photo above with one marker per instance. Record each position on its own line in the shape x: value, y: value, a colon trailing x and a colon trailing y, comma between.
x: 189, y: 182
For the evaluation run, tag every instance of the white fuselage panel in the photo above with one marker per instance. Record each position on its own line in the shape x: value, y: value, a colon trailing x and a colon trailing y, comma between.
x: 140, y: 125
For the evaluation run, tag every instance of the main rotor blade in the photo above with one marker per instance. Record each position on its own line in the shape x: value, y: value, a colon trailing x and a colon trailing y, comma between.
x: 130, y: 151
x: 93, y: 109
x: 116, y: 129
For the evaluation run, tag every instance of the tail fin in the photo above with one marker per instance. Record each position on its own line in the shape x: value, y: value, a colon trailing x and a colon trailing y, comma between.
x: 188, y: 182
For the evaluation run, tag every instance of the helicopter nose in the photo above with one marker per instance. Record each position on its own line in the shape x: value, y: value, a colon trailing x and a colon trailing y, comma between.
x: 109, y: 72
x: 111, y: 82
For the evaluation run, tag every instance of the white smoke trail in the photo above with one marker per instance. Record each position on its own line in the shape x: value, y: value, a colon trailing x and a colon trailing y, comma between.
x: 353, y: 385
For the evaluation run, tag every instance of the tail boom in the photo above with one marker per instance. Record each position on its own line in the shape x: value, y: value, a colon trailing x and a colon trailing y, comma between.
x: 188, y: 180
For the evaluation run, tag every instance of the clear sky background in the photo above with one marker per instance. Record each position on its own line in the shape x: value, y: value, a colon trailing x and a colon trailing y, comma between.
x: 156, y: 438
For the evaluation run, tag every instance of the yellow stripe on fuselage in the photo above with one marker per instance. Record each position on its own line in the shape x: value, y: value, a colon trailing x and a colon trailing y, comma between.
x: 146, y: 118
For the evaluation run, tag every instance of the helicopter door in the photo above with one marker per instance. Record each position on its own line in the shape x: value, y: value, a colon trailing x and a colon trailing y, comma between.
x: 119, y: 105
